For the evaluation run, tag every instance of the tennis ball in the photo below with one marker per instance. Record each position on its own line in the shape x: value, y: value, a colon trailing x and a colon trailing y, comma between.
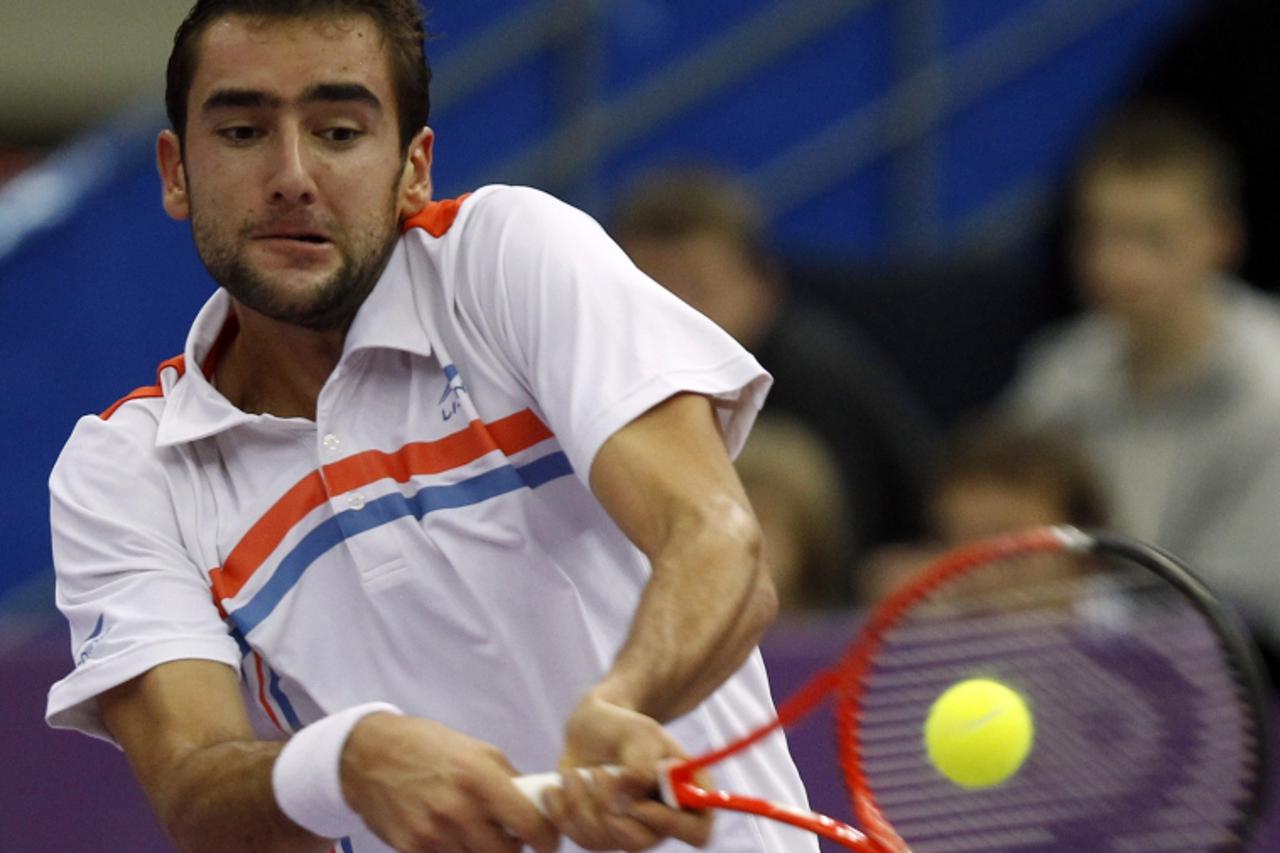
x: 978, y: 733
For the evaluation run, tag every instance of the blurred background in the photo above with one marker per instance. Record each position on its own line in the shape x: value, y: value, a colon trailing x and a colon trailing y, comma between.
x: 910, y: 157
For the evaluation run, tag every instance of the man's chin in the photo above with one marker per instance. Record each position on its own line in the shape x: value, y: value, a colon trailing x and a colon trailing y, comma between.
x: 319, y: 289
x: 297, y: 300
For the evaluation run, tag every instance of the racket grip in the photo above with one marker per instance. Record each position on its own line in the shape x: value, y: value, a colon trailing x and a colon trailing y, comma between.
x: 534, y: 785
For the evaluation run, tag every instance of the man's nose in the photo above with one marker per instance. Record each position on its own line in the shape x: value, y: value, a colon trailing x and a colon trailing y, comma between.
x: 291, y: 181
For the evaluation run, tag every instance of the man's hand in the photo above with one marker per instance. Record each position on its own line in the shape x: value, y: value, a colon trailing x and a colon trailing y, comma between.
x: 618, y: 812
x: 421, y: 786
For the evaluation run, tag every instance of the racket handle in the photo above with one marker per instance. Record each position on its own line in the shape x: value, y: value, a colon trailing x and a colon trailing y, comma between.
x: 534, y: 785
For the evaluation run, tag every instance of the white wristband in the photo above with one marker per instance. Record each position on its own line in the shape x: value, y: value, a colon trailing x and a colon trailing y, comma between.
x: 307, y: 779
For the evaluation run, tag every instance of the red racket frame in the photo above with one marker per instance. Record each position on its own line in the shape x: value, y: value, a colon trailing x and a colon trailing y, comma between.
x: 845, y: 680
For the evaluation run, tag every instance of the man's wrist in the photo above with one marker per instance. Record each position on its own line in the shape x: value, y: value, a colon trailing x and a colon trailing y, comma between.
x: 366, y: 747
x: 618, y: 690
x: 307, y: 776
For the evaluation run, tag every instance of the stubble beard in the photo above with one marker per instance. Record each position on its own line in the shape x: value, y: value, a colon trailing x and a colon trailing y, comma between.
x: 330, y: 305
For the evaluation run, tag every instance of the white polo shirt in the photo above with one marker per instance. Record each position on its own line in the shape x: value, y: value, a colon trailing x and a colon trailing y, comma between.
x: 430, y: 539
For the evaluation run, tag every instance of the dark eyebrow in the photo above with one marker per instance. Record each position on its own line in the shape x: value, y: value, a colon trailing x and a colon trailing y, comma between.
x: 327, y: 93
x: 242, y: 98
x: 340, y: 92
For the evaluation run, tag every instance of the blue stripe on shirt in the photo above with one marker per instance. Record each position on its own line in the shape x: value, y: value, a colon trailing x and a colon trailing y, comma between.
x: 384, y: 510
x: 286, y: 707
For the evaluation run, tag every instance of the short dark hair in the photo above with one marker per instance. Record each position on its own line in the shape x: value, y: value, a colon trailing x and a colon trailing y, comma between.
x: 400, y: 21
x: 1155, y: 138
x: 680, y: 202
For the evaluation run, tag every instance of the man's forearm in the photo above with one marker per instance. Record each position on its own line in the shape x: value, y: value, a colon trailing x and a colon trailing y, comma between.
x: 704, y: 610
x: 413, y: 782
x: 184, y: 726
x: 220, y: 798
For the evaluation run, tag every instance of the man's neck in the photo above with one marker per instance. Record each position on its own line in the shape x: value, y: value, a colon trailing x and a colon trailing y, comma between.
x: 276, y: 368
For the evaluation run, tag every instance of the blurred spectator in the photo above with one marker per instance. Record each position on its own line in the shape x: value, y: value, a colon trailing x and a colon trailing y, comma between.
x: 703, y: 237
x: 998, y: 478
x: 793, y: 482
x: 995, y: 477
x: 1172, y: 380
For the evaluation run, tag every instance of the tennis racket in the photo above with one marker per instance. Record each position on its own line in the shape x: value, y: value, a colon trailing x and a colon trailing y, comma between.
x: 1149, y: 707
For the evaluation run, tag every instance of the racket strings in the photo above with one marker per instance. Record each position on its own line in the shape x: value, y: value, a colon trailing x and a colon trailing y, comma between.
x: 1145, y: 739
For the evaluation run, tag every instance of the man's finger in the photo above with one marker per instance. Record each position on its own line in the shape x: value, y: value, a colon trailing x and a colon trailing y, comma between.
x: 488, y: 836
x: 691, y: 827
x: 591, y: 809
x: 574, y: 811
x: 517, y: 816
x: 627, y: 833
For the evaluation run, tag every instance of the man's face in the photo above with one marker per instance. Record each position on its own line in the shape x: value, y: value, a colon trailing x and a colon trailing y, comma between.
x: 1148, y: 243
x: 292, y: 172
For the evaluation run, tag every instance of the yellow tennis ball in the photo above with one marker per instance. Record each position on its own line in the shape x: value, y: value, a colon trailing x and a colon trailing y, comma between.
x: 978, y: 733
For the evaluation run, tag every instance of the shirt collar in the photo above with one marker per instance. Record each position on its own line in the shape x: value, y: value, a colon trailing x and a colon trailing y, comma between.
x: 395, y: 315
x: 194, y: 408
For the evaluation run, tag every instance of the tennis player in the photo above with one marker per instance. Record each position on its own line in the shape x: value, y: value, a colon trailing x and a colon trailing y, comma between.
x: 438, y: 491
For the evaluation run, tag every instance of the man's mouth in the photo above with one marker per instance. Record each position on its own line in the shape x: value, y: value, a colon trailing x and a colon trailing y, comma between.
x: 314, y: 239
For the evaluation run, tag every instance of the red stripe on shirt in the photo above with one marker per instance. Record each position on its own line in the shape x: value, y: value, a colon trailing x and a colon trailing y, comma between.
x: 178, y: 362
x: 262, y: 692
x: 437, y: 217
x: 510, y: 435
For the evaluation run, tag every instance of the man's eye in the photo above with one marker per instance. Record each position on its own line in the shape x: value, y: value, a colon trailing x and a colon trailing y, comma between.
x: 341, y: 134
x: 240, y: 133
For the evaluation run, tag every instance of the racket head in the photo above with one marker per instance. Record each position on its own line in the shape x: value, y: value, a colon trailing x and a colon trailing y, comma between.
x: 1149, y: 704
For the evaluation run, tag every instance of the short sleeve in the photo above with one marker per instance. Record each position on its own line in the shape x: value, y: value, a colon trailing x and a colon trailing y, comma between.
x: 132, y: 595
x: 598, y: 342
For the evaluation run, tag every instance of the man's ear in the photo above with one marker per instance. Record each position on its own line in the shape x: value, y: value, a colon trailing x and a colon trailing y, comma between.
x: 173, y: 177
x: 415, y: 179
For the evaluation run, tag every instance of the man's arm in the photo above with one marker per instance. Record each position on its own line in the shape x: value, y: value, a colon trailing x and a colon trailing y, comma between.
x: 185, y: 730
x: 417, y: 784
x: 668, y: 482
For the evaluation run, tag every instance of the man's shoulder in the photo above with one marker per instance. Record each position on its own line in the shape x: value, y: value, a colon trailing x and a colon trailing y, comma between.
x: 127, y: 429
x: 490, y: 206
x: 500, y: 240
x: 104, y: 459
x: 168, y: 370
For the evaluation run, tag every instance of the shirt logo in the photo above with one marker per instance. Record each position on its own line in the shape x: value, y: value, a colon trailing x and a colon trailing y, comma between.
x: 450, y: 401
x: 86, y: 648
